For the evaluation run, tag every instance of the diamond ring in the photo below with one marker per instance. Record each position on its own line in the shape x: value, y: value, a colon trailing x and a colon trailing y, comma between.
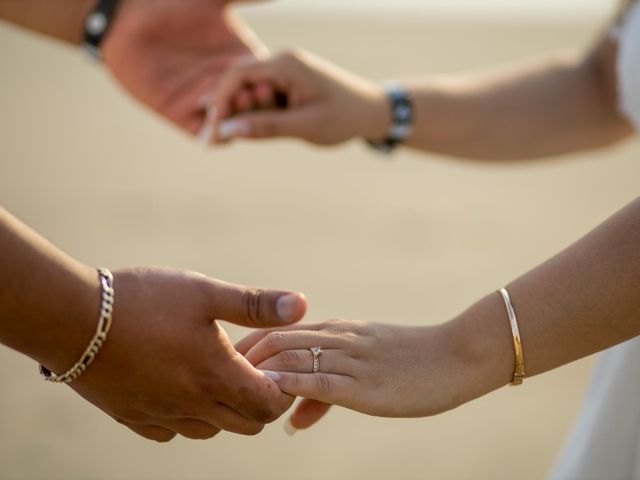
x: 316, y: 351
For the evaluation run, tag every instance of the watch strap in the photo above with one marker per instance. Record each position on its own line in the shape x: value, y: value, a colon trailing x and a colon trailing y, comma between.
x: 97, y: 24
x: 402, y: 118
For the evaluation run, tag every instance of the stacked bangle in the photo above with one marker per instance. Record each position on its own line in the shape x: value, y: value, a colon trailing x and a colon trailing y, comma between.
x: 518, y: 371
x: 104, y: 324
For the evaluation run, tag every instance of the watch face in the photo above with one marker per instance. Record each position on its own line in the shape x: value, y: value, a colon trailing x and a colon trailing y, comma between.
x: 96, y: 23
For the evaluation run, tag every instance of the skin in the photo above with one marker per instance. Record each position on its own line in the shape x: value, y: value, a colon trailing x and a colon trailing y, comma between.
x: 167, y: 366
x: 569, y: 307
x: 167, y: 53
x: 581, y: 301
x: 569, y: 100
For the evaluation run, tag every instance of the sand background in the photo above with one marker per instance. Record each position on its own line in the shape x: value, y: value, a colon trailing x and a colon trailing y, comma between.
x: 411, y: 239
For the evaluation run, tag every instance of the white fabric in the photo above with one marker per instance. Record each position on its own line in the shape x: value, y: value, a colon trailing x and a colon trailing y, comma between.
x: 605, y: 442
x: 628, y: 66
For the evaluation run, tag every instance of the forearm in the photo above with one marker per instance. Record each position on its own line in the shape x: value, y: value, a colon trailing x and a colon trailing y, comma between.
x: 581, y: 301
x: 48, y: 302
x: 62, y: 19
x: 550, y: 106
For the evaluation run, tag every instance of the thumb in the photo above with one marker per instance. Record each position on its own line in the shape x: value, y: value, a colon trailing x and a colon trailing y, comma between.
x: 255, y: 307
x: 267, y: 124
x: 307, y: 413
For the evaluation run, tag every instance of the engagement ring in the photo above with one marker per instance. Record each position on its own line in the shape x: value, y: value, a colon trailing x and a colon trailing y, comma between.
x: 316, y: 351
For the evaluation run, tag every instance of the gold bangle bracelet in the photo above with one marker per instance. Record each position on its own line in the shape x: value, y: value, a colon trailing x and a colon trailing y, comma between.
x: 104, y: 324
x: 518, y: 371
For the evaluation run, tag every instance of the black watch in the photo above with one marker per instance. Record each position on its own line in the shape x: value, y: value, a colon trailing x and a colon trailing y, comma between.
x: 97, y: 24
x: 402, y: 118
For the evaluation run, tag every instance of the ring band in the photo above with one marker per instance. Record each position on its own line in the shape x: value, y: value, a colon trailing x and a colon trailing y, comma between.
x: 316, y: 352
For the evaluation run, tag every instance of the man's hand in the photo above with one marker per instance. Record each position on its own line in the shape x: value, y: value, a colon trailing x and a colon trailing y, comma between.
x: 170, y: 53
x: 167, y: 367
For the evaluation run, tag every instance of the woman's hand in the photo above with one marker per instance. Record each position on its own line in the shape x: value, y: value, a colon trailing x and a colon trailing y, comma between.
x: 299, y: 95
x: 377, y: 369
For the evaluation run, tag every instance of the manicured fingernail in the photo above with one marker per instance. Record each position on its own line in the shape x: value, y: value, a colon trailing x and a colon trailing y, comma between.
x: 272, y: 375
x: 206, y: 132
x: 289, y: 428
x: 287, y: 306
x: 233, y: 128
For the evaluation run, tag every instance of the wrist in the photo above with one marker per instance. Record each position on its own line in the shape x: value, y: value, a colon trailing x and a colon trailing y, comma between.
x: 375, y: 119
x: 71, y: 321
x: 480, y: 338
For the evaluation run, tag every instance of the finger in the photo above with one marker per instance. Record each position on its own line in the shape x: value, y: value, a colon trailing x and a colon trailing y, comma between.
x: 282, y: 340
x: 252, y: 393
x: 192, y: 428
x: 244, y: 345
x: 151, y: 432
x: 269, y: 124
x: 306, y: 413
x: 243, y: 101
x: 206, y: 132
x: 225, y: 418
x: 325, y: 387
x: 247, y: 72
x: 254, y: 307
x: 264, y: 95
x: 236, y: 78
x: 301, y: 361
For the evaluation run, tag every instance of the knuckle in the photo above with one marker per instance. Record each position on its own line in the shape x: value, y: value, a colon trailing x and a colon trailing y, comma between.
x: 251, y: 304
x: 323, y: 383
x: 199, y: 431
x: 335, y: 325
x: 163, y: 437
x: 290, y: 55
x: 265, y: 414
x: 253, y: 429
x: 288, y: 359
x: 274, y: 340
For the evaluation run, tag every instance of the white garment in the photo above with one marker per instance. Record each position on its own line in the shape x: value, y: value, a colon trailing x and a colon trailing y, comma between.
x: 605, y: 442
x: 628, y: 65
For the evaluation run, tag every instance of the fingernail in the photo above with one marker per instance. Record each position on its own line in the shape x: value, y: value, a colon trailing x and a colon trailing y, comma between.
x: 206, y: 132
x: 272, y: 375
x: 233, y: 128
x: 289, y: 428
x: 287, y: 306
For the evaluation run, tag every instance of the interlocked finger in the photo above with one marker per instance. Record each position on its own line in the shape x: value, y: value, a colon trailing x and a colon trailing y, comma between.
x: 301, y: 361
x: 282, y: 340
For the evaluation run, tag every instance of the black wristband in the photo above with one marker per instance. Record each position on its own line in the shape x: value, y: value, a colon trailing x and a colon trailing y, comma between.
x: 401, y: 119
x: 97, y: 24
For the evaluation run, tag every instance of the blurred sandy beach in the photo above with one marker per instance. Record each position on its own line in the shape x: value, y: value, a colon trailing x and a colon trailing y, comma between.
x: 407, y: 239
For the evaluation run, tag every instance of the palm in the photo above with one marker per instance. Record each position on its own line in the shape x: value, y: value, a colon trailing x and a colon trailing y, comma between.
x: 170, y: 53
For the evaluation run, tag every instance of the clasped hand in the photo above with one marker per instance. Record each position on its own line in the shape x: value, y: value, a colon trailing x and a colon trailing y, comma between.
x: 168, y: 367
x: 377, y: 369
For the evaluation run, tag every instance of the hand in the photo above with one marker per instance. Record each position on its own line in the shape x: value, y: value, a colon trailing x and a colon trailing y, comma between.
x: 323, y: 104
x: 381, y: 370
x: 167, y: 367
x: 169, y: 53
